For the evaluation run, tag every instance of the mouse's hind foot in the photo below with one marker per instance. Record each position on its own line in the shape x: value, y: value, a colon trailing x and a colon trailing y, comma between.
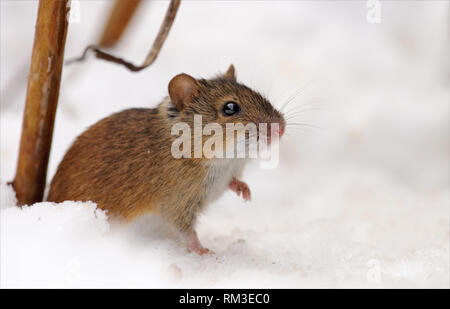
x: 193, y: 244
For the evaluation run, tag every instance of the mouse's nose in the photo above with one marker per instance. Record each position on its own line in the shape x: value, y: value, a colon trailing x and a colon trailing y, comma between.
x: 278, y: 128
x: 275, y: 130
x: 280, y: 131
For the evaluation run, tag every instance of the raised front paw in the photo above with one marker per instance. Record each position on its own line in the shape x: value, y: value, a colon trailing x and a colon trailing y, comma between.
x: 240, y: 187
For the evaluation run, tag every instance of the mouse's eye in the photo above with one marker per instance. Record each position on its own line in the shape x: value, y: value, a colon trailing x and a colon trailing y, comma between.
x: 231, y: 108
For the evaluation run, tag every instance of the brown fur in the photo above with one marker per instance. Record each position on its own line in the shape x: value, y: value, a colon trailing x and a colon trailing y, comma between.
x: 124, y: 163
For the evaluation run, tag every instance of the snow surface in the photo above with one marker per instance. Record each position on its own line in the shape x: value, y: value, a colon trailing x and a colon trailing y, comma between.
x: 362, y: 201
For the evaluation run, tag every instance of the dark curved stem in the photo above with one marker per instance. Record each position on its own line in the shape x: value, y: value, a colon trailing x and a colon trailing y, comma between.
x: 154, y: 51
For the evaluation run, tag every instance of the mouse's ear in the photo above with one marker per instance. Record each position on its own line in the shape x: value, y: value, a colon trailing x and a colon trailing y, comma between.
x: 182, y: 88
x: 231, y: 73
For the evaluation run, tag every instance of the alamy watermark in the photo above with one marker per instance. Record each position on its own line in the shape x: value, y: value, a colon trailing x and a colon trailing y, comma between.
x: 373, y: 274
x: 373, y: 11
x: 74, y: 13
x: 238, y: 141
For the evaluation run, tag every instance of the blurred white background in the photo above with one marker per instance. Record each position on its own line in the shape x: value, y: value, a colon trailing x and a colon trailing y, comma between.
x: 361, y: 201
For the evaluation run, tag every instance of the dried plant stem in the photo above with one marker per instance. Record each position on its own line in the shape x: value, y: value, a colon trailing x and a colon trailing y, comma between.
x: 121, y: 14
x: 154, y: 51
x: 41, y: 100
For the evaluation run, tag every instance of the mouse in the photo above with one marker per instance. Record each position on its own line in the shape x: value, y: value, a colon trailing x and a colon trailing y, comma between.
x: 124, y: 162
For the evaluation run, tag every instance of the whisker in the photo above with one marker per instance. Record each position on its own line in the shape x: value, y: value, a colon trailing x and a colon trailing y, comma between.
x: 305, y: 110
x: 299, y: 113
x: 307, y: 104
x: 302, y: 124
x: 291, y: 98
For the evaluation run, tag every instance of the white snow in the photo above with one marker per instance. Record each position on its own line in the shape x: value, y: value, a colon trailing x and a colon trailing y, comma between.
x: 363, y: 201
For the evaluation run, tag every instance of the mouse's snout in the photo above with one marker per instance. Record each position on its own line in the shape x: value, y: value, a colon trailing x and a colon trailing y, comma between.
x: 279, y: 127
x: 275, y: 128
